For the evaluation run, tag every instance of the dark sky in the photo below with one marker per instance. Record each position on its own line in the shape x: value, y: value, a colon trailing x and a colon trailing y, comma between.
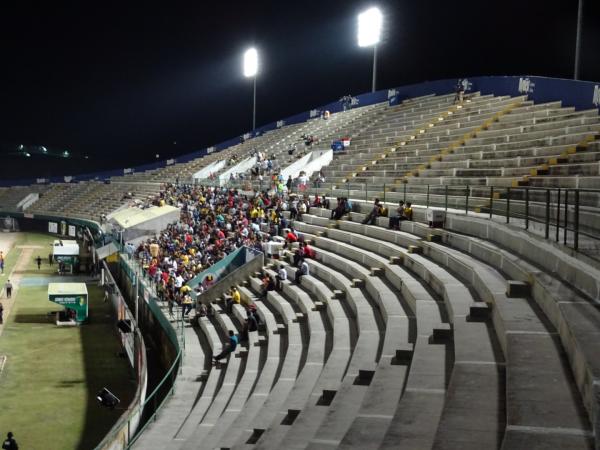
x: 121, y: 82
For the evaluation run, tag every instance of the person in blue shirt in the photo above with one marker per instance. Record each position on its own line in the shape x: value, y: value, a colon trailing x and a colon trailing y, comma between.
x: 229, y: 347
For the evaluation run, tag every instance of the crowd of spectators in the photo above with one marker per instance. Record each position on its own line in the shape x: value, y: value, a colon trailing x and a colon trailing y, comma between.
x: 213, y: 223
x: 216, y: 221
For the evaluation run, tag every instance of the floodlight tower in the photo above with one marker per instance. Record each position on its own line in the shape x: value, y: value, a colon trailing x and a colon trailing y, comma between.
x: 369, y: 33
x: 250, y: 70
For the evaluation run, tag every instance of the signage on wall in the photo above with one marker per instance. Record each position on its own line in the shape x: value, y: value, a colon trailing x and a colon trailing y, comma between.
x: 128, y: 170
x: 392, y: 93
x: 52, y: 227
x: 314, y: 113
x: 209, y: 150
x: 68, y: 179
x: 526, y: 86
x: 170, y: 161
x: 280, y: 123
x: 596, y: 97
x: 72, y: 231
x: 466, y: 84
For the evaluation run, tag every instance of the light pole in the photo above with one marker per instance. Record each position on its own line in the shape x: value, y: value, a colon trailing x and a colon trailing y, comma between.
x: 369, y: 34
x: 250, y: 70
x: 578, y: 40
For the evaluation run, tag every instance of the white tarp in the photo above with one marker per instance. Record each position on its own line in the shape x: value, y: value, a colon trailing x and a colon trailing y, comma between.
x: 210, y: 169
x: 65, y: 248
x: 136, y: 222
x: 311, y: 163
x: 241, y: 167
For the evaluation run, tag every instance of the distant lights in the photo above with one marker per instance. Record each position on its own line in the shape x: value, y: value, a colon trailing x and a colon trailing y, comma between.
x: 65, y: 154
x: 43, y: 149
x: 27, y: 154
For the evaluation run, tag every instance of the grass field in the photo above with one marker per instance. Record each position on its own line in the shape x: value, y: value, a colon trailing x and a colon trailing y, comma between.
x: 51, y: 376
x: 30, y: 239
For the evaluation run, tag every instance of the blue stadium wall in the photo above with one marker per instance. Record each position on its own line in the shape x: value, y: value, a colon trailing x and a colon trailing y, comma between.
x: 580, y: 94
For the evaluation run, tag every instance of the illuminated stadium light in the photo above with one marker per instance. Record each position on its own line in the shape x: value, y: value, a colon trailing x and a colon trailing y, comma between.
x: 369, y: 27
x: 65, y: 154
x: 43, y: 149
x: 250, y: 62
x: 370, y: 23
x: 27, y: 154
x: 21, y: 147
x: 250, y: 70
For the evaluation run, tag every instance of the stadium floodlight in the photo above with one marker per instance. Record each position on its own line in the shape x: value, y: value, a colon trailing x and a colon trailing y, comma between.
x: 370, y: 23
x: 369, y: 27
x: 65, y: 154
x: 250, y: 62
x: 250, y: 71
x: 43, y: 149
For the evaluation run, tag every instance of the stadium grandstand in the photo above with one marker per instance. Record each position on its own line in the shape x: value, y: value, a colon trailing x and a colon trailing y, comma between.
x: 466, y: 317
x: 416, y: 267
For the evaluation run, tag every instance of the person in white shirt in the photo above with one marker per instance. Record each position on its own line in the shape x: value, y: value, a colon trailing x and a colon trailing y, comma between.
x: 281, y: 276
x: 302, y: 271
x: 178, y: 281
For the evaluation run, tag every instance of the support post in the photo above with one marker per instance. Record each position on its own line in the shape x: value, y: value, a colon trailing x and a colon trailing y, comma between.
x: 491, y: 201
x: 526, y: 208
x: 557, y: 215
x: 507, y: 205
x: 576, y: 222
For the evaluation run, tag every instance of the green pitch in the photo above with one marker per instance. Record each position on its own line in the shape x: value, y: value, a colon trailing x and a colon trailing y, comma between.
x: 51, y: 375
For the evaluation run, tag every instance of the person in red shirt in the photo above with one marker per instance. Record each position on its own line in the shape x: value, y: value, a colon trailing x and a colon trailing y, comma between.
x: 308, y: 251
x: 290, y: 238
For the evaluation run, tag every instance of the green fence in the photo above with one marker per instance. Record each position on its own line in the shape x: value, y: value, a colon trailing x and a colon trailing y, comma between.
x: 175, y: 332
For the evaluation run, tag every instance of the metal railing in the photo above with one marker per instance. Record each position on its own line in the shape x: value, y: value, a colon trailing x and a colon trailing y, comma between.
x: 565, y: 209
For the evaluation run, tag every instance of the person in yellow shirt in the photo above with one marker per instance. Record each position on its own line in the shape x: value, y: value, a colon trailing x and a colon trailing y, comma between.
x: 185, y: 289
x: 188, y: 303
x: 408, y: 212
x: 234, y: 299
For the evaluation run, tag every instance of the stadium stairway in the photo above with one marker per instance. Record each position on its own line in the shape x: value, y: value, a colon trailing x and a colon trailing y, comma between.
x: 529, y: 341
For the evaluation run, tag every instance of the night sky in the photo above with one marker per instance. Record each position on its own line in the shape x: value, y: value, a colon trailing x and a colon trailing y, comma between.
x: 122, y: 82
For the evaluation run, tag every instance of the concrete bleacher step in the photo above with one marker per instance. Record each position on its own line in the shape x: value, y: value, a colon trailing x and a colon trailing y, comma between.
x: 462, y: 324
x: 571, y: 312
x: 235, y: 372
x: 255, y: 385
x: 479, y: 311
x: 516, y: 288
x: 441, y: 333
x: 296, y: 397
x: 268, y: 398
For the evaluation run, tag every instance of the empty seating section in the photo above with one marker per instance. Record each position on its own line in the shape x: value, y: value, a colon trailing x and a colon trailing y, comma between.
x: 472, y: 336
x: 434, y: 152
x: 89, y: 200
x: 11, y: 197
